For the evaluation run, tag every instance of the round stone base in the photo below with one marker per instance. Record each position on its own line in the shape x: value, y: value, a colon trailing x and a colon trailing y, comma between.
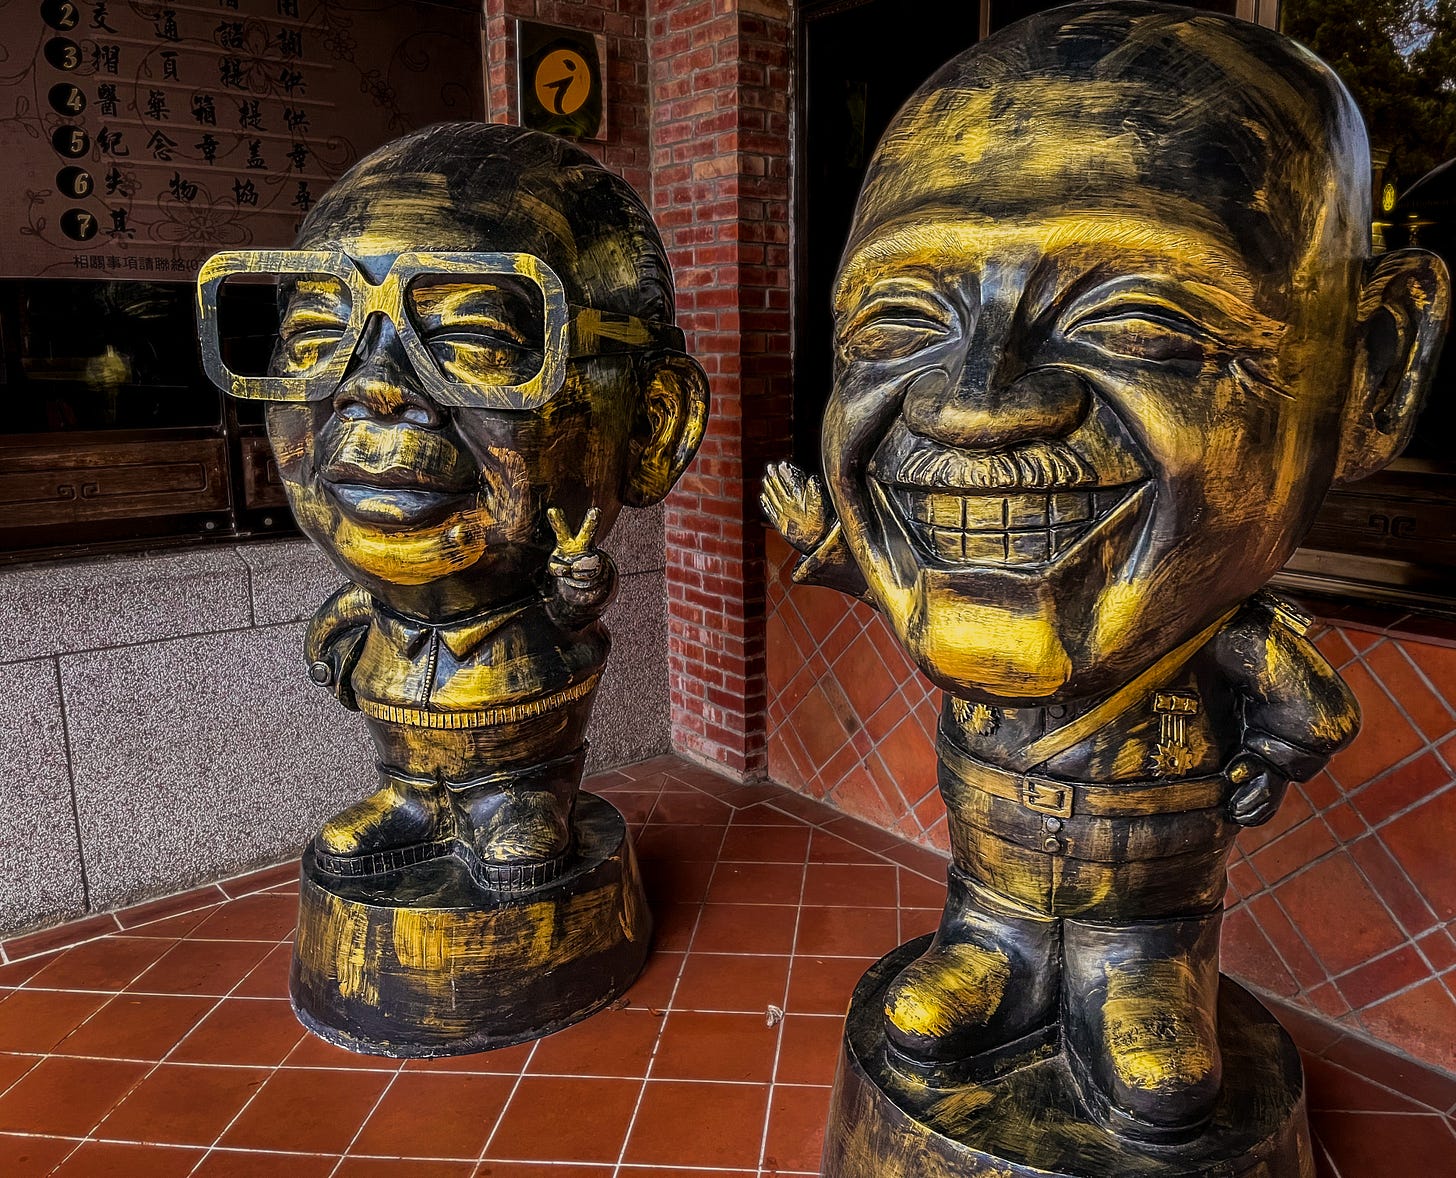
x: 423, y: 962
x: 1029, y: 1120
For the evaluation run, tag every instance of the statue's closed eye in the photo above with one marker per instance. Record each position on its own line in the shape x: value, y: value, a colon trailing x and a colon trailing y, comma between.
x: 894, y: 326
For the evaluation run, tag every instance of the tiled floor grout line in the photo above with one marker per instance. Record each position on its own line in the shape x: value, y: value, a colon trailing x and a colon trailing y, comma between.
x: 773, y: 1075
x: 672, y: 995
x: 505, y: 1105
x: 142, y: 1079
x: 207, y: 1153
x: 374, y: 1108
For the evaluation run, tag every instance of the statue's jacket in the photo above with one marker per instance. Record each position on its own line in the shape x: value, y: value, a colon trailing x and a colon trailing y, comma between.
x: 462, y: 698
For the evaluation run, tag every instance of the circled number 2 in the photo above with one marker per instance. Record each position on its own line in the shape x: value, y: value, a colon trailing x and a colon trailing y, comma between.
x: 59, y: 14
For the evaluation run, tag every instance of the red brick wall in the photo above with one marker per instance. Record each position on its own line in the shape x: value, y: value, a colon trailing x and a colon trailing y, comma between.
x: 1345, y: 903
x: 720, y: 133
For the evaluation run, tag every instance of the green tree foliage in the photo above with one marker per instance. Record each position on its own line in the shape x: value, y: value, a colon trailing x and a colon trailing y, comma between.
x: 1398, y: 57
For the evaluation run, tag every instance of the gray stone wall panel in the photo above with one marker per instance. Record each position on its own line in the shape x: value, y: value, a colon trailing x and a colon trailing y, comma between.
x: 55, y: 608
x: 630, y: 718
x: 199, y: 758
x: 38, y: 858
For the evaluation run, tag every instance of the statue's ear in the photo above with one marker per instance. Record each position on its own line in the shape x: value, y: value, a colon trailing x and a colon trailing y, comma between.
x: 670, y: 426
x: 1404, y: 305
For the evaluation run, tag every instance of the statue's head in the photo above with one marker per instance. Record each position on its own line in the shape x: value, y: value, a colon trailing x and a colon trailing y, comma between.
x: 454, y: 400
x: 1107, y: 331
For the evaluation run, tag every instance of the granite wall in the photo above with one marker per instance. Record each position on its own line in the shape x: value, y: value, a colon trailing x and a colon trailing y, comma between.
x: 160, y: 730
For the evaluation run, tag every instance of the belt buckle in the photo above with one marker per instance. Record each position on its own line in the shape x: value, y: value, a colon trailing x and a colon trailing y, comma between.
x: 1047, y: 797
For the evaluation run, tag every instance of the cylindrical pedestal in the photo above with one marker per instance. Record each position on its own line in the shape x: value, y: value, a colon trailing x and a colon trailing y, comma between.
x: 1029, y: 1121
x: 423, y: 962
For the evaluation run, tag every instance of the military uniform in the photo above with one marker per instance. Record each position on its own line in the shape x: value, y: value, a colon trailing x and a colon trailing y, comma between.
x: 502, y: 691
x: 1097, y: 872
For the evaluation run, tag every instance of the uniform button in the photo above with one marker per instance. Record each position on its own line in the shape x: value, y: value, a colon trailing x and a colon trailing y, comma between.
x: 321, y: 673
x: 1057, y: 711
x: 1052, y: 823
x: 1052, y: 843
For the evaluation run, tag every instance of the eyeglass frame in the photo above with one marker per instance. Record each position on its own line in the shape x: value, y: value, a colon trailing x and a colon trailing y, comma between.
x: 569, y: 331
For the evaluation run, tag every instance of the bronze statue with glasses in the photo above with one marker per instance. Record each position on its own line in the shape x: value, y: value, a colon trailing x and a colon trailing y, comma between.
x: 475, y: 370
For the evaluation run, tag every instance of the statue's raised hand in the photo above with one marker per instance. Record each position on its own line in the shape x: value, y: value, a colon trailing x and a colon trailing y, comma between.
x: 795, y: 504
x: 574, y: 558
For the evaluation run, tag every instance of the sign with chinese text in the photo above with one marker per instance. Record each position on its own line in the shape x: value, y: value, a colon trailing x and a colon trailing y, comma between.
x: 139, y: 138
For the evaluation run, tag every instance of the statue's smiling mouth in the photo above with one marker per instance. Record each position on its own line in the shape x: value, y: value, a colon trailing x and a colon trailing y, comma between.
x: 1023, y: 505
x: 1031, y: 527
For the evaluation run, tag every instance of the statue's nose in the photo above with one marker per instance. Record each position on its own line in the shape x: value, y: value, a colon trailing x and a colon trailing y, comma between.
x: 381, y: 384
x: 993, y: 399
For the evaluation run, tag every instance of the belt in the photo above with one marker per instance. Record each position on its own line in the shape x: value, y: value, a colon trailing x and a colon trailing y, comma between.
x: 481, y: 718
x: 1065, y: 799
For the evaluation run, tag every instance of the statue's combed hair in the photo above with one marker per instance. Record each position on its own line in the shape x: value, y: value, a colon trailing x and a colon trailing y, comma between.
x: 586, y: 222
x: 1232, y: 103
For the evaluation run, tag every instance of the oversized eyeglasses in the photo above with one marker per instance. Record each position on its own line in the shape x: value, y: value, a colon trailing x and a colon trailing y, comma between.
x: 481, y: 330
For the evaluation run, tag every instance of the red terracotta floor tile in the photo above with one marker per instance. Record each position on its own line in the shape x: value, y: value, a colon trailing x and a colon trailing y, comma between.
x: 503, y: 1060
x: 135, y: 1026
x: 307, y: 1111
x: 201, y: 967
x: 155, y: 910
x: 743, y: 928
x: 248, y: 1031
x: 823, y: 985
x: 182, y: 1104
x: 439, y: 1116
x: 269, y: 978
x: 17, y: 973
x: 66, y: 1097
x: 106, y: 1159
x: 757, y: 883
x: 722, y: 1116
x: 732, y: 982
x: 353, y: 1167
x: 809, y: 1051
x: 36, y: 1020
x: 856, y: 885
x: 251, y: 918
x: 697, y: 1046
x: 107, y: 964
x: 731, y: 942
x: 32, y: 1157
x: 613, y: 1043
x: 231, y: 1163
x: 765, y: 844
x: 534, y: 1127
x: 1387, y: 1143
x: 313, y: 1052
x: 847, y: 932
x: 796, y: 1120
x: 654, y: 985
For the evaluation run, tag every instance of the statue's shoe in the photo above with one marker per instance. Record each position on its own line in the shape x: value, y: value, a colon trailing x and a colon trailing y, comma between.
x: 943, y: 1005
x: 1160, y: 1069
x: 404, y: 822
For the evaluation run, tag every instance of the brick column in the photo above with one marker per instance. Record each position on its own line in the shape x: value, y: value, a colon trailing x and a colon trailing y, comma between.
x: 720, y: 165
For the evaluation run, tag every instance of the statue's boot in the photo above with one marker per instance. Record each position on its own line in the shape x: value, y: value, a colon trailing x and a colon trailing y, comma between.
x: 987, y: 985
x: 1141, y: 1023
x: 406, y: 821
x: 516, y: 824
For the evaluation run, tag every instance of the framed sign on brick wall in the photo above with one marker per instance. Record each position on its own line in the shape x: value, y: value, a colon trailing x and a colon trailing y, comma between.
x: 562, y: 86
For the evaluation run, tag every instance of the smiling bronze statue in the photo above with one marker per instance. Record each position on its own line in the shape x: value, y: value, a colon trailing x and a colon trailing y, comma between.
x: 1107, y: 330
x: 476, y: 370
